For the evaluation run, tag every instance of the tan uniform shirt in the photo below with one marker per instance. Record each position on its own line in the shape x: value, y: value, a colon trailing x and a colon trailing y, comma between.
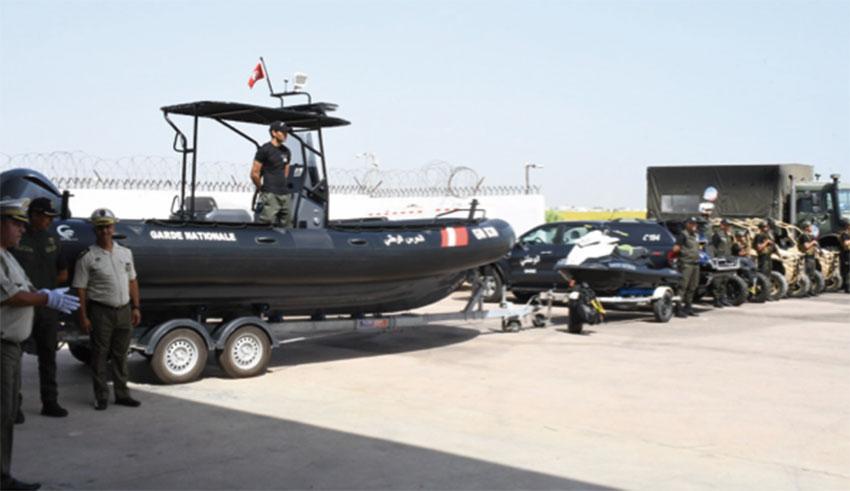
x: 15, y: 322
x: 105, y: 275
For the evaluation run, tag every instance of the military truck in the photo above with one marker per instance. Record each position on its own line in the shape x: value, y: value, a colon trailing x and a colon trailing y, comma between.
x: 765, y: 191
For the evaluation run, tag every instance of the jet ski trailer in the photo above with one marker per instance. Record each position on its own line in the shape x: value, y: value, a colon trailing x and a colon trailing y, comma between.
x: 218, y: 281
x: 602, y: 273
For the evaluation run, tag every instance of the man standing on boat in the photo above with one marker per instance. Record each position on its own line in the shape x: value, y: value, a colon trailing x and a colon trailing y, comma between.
x: 269, y: 174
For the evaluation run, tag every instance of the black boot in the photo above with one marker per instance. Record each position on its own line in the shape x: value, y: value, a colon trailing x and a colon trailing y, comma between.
x: 718, y: 303
x: 53, y: 409
x: 690, y: 310
x: 680, y: 311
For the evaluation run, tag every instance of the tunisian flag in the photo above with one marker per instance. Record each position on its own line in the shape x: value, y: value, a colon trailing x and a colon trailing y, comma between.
x: 257, y: 74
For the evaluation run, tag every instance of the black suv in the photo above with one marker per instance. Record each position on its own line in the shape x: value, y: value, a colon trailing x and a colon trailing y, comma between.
x: 529, y: 268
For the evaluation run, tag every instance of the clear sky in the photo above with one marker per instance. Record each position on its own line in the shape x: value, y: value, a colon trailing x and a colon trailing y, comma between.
x: 594, y: 90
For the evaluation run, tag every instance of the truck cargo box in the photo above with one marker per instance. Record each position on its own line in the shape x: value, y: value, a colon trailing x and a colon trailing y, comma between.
x: 675, y: 192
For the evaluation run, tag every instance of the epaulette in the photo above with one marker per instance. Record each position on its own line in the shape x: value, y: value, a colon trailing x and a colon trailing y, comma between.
x: 85, y: 251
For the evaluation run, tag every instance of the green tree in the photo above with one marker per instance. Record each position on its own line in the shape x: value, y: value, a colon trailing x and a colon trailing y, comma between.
x: 552, y: 216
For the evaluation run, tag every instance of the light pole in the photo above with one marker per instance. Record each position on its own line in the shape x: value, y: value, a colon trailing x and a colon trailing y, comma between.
x: 529, y: 166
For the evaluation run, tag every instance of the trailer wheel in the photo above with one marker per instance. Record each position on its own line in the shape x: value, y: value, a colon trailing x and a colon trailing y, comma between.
x: 760, y: 290
x: 778, y: 285
x: 246, y: 353
x: 179, y: 357
x: 800, y: 288
x: 511, y: 325
x: 663, y: 308
x: 538, y: 320
x: 736, y: 290
x: 80, y: 351
x: 492, y: 284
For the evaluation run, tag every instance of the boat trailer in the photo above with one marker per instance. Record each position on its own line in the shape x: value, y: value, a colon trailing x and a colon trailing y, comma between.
x: 178, y: 349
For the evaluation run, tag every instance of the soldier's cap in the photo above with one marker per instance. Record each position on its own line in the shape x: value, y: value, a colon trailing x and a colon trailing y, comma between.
x: 762, y: 224
x: 844, y: 222
x: 14, y: 209
x: 43, y: 205
x: 805, y: 223
x: 691, y: 220
x: 279, y: 126
x: 724, y: 221
x: 103, y: 216
x: 740, y: 233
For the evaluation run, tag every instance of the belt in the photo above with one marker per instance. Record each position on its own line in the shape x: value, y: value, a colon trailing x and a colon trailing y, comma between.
x: 110, y: 307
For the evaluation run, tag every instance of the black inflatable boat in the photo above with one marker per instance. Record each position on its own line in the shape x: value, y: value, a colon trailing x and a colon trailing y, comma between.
x: 198, y: 265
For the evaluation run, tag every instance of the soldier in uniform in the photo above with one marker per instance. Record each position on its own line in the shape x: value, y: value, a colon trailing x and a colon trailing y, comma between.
x: 764, y: 246
x: 844, y: 246
x: 687, y: 251
x: 740, y: 247
x: 17, y: 299
x: 721, y: 246
x: 39, y: 254
x: 105, y: 278
x: 808, y: 245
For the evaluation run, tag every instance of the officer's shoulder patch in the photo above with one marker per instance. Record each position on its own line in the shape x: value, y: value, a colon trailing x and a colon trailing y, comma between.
x: 85, y: 251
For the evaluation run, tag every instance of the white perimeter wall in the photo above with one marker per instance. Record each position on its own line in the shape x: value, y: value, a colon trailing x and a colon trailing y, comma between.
x: 522, y: 211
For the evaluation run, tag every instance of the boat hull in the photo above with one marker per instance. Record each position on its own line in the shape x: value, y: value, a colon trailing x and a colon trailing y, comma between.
x: 229, y: 270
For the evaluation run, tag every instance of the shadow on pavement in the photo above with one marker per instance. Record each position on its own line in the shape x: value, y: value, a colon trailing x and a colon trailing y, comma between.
x: 172, y: 443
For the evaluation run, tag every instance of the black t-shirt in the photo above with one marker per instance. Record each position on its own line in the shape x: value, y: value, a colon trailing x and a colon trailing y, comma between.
x: 274, y: 160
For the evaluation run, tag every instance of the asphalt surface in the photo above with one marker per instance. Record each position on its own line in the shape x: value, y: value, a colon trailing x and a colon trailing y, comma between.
x: 740, y: 398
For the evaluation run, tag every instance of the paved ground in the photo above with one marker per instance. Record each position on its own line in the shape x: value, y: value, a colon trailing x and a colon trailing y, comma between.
x: 749, y: 398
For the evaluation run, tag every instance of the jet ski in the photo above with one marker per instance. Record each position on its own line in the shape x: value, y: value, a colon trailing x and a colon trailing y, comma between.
x: 608, y: 268
x: 223, y: 264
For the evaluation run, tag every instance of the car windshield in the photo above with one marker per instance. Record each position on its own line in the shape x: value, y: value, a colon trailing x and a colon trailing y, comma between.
x: 573, y: 234
x: 844, y: 202
x: 543, y: 235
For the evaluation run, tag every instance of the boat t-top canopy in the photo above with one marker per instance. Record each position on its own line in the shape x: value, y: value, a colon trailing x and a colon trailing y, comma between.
x: 304, y: 116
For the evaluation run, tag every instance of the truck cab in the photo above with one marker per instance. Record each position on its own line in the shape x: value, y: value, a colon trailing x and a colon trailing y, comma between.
x: 823, y: 204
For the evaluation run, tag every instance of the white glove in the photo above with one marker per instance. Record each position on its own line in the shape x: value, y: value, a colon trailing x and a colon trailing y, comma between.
x: 58, y: 300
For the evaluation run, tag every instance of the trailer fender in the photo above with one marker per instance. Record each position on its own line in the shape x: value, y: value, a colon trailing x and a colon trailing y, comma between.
x: 660, y: 291
x: 152, y: 337
x: 224, y: 331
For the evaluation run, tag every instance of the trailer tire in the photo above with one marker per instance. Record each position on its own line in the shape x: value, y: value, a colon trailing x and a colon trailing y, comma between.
x: 246, y: 353
x: 80, y: 351
x: 492, y: 284
x: 778, y: 286
x: 800, y: 288
x: 760, y: 290
x: 736, y: 290
x: 663, y: 308
x: 179, y: 357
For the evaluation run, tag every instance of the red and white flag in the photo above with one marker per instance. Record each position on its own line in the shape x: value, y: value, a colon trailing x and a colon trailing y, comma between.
x: 454, y: 237
x: 257, y: 74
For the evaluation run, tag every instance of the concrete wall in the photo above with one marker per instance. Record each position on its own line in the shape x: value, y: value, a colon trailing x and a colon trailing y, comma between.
x: 522, y: 211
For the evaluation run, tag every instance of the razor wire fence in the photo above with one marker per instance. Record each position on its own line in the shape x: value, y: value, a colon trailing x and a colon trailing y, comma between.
x: 79, y: 170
